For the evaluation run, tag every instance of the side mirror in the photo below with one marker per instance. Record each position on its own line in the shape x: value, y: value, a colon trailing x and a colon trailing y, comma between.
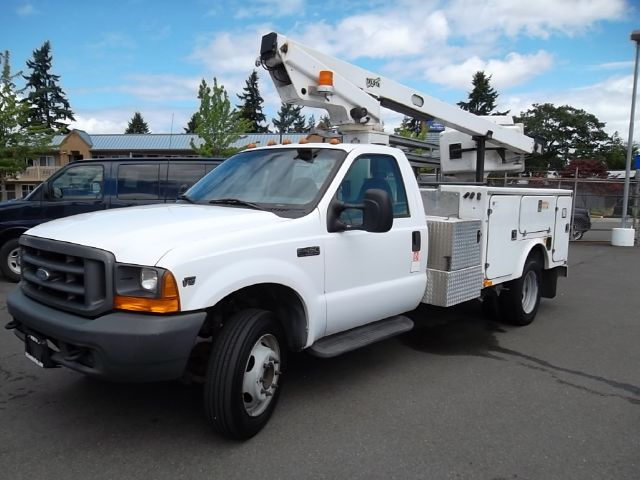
x: 377, y: 213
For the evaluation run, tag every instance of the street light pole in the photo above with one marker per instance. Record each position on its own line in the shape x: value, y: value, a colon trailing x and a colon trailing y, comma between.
x: 635, y: 37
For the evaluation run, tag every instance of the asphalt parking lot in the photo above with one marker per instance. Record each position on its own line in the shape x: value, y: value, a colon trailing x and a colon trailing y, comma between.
x: 460, y: 397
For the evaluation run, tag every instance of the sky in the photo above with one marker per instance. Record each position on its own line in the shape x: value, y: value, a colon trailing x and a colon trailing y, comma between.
x: 118, y: 57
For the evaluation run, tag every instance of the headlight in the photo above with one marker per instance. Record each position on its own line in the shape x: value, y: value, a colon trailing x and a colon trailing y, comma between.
x: 149, y: 279
x: 145, y: 289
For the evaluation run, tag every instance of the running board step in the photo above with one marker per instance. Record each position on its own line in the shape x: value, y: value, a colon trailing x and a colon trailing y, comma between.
x: 343, y: 342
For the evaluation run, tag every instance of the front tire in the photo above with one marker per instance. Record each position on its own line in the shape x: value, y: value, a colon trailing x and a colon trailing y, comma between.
x: 10, y: 260
x: 520, y: 300
x: 244, y: 374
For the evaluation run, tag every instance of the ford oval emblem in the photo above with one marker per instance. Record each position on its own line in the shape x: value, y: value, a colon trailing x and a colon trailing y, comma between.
x: 43, y: 274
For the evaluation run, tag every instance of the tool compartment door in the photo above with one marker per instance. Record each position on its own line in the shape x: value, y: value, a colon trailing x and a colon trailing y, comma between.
x: 561, y: 230
x: 503, y: 248
x: 537, y: 214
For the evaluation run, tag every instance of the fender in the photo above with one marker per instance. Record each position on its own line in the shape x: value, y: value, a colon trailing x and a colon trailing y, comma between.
x: 214, y: 285
x: 11, y: 233
x: 531, y: 244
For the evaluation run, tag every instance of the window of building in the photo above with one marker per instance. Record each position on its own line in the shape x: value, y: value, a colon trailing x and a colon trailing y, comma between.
x: 42, y: 161
x: 27, y: 188
x: 11, y: 191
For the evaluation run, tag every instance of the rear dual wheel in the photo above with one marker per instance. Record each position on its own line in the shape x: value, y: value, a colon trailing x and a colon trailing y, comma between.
x: 244, y: 374
x: 520, y: 300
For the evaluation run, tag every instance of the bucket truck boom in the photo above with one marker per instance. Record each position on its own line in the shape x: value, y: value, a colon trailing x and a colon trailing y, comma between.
x: 353, y: 98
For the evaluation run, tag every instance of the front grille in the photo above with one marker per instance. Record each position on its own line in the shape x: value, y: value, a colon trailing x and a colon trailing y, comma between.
x: 66, y: 276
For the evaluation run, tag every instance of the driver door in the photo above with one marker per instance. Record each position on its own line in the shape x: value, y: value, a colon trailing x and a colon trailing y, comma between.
x: 368, y: 276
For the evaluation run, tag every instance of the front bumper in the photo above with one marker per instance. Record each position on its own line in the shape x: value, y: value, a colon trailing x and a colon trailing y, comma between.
x: 117, y: 346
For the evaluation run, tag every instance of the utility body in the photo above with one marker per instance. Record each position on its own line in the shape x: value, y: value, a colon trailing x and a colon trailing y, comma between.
x: 313, y: 247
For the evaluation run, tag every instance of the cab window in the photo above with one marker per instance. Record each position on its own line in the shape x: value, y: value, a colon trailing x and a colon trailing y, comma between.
x: 372, y: 171
x: 138, y: 182
x: 83, y: 182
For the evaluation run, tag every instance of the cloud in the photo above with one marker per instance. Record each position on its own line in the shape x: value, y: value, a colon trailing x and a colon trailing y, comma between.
x: 626, y: 65
x: 27, y: 10
x: 113, y: 40
x: 609, y: 100
x: 115, y: 120
x: 270, y: 9
x: 541, y: 18
x: 230, y: 52
x: 382, y: 33
x: 160, y: 88
x: 512, y: 70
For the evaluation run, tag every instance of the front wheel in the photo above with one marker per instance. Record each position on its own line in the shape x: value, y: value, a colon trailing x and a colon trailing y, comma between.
x: 244, y: 374
x: 10, y: 260
x: 520, y: 300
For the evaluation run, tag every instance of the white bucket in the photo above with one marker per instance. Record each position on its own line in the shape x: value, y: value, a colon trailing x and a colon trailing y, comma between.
x: 622, y: 237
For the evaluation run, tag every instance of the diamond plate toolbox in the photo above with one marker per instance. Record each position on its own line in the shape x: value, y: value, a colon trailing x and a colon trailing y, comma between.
x: 445, y: 289
x: 454, y: 244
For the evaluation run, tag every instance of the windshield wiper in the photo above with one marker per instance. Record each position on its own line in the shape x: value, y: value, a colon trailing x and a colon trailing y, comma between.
x: 186, y: 198
x: 236, y: 202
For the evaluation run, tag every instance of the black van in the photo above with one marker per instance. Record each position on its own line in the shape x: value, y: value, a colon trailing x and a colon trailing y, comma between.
x: 89, y: 185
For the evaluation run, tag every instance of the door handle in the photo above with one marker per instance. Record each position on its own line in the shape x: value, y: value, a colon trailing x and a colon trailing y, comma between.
x: 416, y: 242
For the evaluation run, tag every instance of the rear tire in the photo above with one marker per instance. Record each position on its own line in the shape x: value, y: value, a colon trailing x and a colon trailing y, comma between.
x: 576, y: 234
x: 244, y: 374
x: 520, y: 300
x: 10, y: 260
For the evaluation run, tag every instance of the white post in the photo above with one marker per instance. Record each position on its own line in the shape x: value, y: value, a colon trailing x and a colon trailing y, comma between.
x: 623, y: 236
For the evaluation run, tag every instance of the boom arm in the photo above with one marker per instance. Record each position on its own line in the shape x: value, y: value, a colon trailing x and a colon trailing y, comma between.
x: 354, y: 98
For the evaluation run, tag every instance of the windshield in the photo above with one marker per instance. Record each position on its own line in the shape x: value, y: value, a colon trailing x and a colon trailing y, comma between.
x: 288, y: 182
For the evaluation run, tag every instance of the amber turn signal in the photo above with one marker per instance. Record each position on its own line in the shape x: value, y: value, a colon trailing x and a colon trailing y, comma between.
x: 169, y: 301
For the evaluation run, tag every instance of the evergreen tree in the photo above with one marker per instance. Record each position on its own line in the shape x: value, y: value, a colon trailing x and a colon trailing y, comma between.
x: 311, y: 123
x: 18, y: 142
x: 411, y: 127
x: 324, y: 123
x: 192, y: 124
x: 482, y: 98
x: 290, y: 119
x: 47, y: 103
x: 251, y: 108
x: 217, y: 124
x: 137, y: 124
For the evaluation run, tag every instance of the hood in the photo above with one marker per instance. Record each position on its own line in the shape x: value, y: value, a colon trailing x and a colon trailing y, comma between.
x: 143, y: 234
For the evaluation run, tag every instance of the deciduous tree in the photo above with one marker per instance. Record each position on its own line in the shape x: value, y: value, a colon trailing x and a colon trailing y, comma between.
x: 218, y: 124
x: 570, y: 133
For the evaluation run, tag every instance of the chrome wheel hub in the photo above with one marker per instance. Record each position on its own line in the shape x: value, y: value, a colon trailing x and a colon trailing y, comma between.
x: 13, y: 261
x: 261, y: 375
x: 529, y: 291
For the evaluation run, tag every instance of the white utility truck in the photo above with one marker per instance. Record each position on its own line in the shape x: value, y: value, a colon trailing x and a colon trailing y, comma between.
x: 309, y: 246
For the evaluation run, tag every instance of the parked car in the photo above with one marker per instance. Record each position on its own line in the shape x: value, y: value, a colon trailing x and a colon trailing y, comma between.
x: 581, y: 223
x: 90, y: 185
